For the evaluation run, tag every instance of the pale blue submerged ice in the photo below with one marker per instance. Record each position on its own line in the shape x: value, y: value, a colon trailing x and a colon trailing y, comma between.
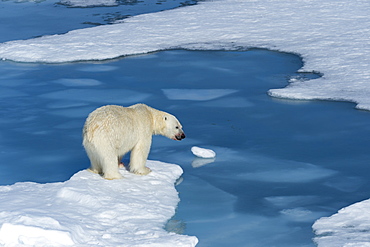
x: 280, y: 164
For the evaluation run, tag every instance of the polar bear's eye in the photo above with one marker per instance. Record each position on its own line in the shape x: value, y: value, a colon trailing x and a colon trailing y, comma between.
x: 177, y: 127
x: 165, y: 118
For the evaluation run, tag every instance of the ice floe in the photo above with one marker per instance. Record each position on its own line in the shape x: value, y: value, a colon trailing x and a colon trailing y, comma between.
x: 88, y: 210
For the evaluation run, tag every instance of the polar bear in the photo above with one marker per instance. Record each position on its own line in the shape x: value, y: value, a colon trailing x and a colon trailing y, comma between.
x: 112, y: 131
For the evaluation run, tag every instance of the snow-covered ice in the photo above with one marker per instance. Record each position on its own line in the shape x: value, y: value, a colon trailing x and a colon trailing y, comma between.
x: 203, y: 152
x: 332, y: 37
x: 349, y: 227
x: 87, y: 210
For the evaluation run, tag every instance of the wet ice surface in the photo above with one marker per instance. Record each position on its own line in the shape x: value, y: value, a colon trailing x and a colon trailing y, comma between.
x: 280, y: 164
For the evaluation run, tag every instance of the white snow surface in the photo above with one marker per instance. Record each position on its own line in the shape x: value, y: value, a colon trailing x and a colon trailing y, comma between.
x: 88, y: 210
x: 333, y: 37
x: 349, y: 227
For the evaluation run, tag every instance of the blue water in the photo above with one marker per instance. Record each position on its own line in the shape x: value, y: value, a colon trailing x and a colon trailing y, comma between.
x: 280, y: 165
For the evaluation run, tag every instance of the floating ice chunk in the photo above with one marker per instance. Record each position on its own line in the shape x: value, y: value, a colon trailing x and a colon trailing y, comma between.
x: 197, y: 94
x: 203, y: 152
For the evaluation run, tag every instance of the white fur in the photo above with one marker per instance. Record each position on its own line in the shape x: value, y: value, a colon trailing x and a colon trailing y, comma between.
x: 111, y: 131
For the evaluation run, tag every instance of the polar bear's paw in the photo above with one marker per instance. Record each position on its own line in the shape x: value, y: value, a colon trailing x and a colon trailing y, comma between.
x: 93, y: 170
x: 112, y: 176
x: 142, y: 171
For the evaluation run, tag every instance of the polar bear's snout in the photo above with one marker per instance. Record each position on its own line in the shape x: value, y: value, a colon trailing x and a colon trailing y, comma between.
x: 180, y: 136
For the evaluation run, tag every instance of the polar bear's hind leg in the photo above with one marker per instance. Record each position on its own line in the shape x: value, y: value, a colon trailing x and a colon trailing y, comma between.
x: 95, y: 165
x: 110, y: 167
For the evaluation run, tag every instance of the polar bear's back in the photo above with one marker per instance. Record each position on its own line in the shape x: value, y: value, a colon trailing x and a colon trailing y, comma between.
x: 111, y: 124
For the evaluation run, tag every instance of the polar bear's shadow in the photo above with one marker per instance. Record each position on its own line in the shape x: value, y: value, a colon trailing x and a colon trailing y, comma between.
x: 125, y: 163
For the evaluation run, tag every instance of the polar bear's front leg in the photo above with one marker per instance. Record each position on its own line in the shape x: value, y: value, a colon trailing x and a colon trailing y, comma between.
x: 139, y: 155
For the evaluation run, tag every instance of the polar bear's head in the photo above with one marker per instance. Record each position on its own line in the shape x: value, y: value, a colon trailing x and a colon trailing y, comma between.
x: 173, y: 128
